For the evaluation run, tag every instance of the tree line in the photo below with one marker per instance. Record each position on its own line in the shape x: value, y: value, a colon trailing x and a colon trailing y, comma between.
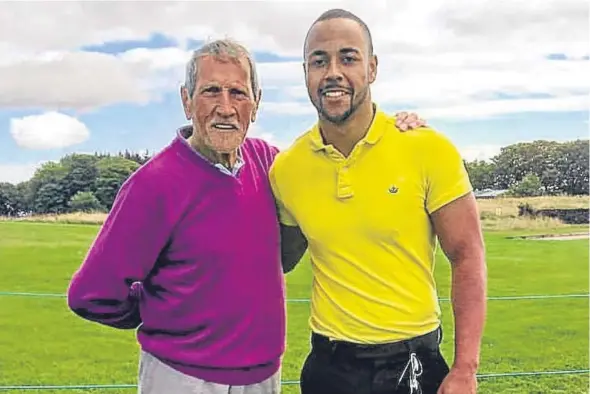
x: 77, y: 182
x: 535, y: 168
x: 90, y: 182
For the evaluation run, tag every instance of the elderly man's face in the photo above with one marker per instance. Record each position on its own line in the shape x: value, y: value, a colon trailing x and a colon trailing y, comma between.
x: 223, y: 104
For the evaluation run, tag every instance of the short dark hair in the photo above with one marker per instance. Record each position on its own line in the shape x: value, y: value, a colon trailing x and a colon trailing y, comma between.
x: 336, y: 13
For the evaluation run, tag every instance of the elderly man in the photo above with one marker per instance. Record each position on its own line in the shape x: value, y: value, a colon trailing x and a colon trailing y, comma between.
x: 189, y: 253
x: 370, y: 202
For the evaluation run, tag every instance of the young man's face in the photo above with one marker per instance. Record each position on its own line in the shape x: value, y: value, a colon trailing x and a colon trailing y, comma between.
x: 338, y: 68
x: 223, y: 104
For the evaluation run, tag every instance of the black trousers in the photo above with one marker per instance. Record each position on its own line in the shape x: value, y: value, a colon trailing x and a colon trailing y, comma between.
x: 414, y: 366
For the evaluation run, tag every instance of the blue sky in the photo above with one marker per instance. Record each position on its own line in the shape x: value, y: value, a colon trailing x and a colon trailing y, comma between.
x: 478, y: 114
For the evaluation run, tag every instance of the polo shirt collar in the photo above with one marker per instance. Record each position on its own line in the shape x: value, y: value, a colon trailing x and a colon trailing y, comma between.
x: 375, y: 132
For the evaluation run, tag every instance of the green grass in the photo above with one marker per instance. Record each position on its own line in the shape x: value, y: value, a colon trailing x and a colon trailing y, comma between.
x: 42, y: 343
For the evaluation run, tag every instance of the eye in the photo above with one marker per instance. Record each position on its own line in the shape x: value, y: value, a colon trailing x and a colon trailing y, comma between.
x: 348, y: 59
x: 211, y: 90
x: 238, y: 92
x: 317, y: 62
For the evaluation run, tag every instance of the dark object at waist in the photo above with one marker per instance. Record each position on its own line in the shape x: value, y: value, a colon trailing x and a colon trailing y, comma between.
x: 426, y: 342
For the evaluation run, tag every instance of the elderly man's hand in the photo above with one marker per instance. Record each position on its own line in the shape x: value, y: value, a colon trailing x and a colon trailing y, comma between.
x: 408, y: 121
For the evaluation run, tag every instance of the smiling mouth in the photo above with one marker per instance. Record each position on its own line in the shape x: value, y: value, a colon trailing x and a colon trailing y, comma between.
x: 224, y: 127
x: 334, y: 93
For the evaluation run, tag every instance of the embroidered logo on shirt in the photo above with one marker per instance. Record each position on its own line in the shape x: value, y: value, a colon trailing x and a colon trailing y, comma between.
x: 393, y: 189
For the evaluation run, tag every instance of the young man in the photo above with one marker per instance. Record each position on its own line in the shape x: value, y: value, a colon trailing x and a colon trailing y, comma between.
x: 370, y: 201
x: 189, y: 253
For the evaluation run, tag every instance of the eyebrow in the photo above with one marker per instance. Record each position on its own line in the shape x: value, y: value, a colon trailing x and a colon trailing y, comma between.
x: 209, y: 86
x: 218, y: 85
x: 320, y: 52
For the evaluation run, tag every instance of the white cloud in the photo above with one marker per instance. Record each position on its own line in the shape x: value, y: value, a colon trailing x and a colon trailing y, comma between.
x: 444, y: 56
x: 273, y: 75
x: 458, y: 77
x: 287, y: 108
x: 479, y: 152
x: 49, y: 130
x: 273, y: 139
x: 16, y: 173
x: 487, y: 109
x: 79, y: 23
x: 462, y: 110
x: 79, y: 80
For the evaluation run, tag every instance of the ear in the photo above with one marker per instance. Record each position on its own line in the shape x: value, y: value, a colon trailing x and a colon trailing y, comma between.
x: 373, y: 68
x: 186, y: 102
x: 256, y: 106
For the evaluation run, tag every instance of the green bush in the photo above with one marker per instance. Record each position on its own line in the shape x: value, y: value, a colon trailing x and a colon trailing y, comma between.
x: 85, y: 202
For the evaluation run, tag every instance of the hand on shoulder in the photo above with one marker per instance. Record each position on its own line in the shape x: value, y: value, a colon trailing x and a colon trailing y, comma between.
x: 409, y: 121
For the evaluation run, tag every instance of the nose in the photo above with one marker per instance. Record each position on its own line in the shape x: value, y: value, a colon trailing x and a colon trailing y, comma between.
x: 333, y: 72
x: 224, y: 106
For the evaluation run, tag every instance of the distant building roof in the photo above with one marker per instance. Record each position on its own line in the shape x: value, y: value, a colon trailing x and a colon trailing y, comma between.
x: 490, y: 193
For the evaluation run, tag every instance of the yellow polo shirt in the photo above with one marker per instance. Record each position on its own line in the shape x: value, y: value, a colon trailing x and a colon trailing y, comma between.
x: 366, y: 217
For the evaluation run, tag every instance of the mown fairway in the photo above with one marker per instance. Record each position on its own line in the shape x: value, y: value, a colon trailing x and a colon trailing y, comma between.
x: 42, y: 343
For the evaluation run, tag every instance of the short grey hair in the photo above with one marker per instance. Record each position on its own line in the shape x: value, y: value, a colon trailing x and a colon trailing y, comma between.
x: 224, y: 47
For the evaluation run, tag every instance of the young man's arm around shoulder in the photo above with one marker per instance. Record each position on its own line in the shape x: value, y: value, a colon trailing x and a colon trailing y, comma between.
x: 293, y: 242
x: 455, y: 217
x: 293, y: 246
x: 105, y: 288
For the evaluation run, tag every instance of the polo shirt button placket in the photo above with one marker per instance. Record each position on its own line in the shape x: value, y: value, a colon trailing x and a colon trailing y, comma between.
x: 344, y: 185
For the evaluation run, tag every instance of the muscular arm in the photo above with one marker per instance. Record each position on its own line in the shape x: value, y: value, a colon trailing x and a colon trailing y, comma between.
x: 293, y: 242
x: 458, y: 228
x: 293, y: 246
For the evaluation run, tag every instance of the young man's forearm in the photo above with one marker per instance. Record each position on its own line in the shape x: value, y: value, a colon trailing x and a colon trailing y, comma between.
x: 468, y: 296
x: 293, y: 247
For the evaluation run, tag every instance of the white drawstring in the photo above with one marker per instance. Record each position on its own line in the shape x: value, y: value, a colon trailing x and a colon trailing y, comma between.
x: 415, y: 368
